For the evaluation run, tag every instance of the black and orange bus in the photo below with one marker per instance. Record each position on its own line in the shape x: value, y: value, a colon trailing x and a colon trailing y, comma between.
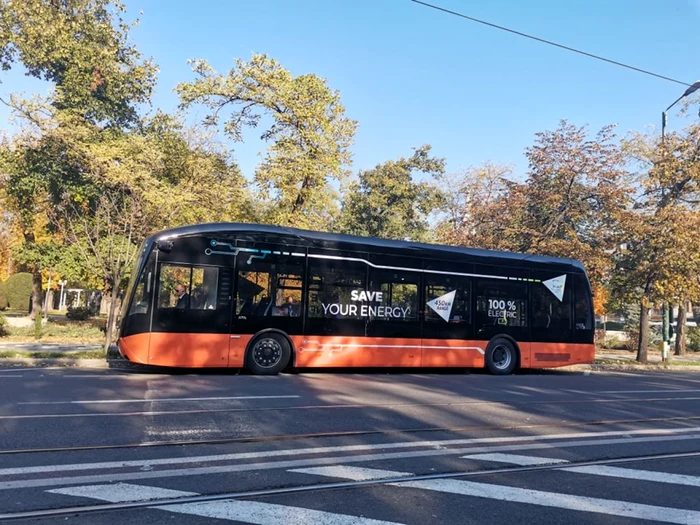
x: 267, y: 298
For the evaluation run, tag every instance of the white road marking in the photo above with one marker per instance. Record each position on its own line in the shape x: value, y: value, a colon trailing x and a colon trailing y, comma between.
x: 122, y: 492
x: 670, y: 391
x: 561, y: 501
x: 154, y: 400
x: 337, y: 449
x: 642, y: 475
x: 353, y: 473
x: 11, y: 376
x: 520, y: 495
x: 269, y: 514
x: 333, y: 460
x: 234, y: 510
x: 516, y: 459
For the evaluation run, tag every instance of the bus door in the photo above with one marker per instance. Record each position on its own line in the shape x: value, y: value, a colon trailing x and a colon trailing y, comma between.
x: 393, y: 311
x: 191, y: 321
x: 336, y: 325
x: 268, y: 288
x: 448, y: 331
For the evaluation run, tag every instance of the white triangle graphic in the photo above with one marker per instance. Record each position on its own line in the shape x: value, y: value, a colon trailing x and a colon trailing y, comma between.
x: 443, y: 305
x: 556, y: 286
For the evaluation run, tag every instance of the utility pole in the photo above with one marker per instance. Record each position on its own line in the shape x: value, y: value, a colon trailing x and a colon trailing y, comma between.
x: 667, y: 310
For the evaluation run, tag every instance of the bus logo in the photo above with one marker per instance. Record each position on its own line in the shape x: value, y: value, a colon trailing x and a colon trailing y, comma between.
x: 443, y: 305
x: 556, y: 286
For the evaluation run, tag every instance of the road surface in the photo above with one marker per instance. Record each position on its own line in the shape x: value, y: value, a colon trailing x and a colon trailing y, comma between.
x: 554, y: 447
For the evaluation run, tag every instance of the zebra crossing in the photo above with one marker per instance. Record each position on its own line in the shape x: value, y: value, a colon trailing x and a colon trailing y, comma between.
x: 259, y: 511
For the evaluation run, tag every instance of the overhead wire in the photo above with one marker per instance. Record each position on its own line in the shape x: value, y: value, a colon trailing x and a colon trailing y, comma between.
x: 549, y: 42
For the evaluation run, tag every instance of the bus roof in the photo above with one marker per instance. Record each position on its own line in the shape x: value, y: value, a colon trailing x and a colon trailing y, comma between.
x: 338, y: 241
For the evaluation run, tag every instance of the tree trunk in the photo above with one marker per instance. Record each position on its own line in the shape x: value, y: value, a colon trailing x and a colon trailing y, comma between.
x: 36, y: 294
x: 680, y: 329
x: 109, y: 331
x: 643, y: 333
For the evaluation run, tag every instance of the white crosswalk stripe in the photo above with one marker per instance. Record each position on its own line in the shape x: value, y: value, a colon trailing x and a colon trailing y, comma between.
x: 520, y: 495
x: 234, y: 510
x: 515, y: 459
x: 594, y: 470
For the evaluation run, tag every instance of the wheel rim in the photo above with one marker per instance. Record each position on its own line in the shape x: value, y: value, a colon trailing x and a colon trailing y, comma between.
x: 267, y: 353
x: 502, y: 357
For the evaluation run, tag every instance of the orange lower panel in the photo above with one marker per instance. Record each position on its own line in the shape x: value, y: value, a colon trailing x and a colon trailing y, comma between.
x: 189, y: 350
x: 134, y: 348
x: 337, y: 351
x: 237, y: 348
x: 560, y: 354
x: 450, y: 352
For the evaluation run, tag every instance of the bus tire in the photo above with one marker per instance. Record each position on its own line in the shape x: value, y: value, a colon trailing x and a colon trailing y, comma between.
x: 501, y: 356
x: 268, y: 354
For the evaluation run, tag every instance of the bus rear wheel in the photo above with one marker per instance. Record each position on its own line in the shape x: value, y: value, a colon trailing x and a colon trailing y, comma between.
x: 501, y: 356
x: 268, y: 354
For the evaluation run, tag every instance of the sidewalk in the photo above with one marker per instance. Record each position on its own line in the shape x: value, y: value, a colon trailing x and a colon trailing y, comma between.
x: 68, y: 348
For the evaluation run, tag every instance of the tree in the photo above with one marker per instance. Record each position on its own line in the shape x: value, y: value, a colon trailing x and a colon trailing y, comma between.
x: 310, y: 134
x: 107, y: 236
x: 662, y: 262
x: 475, y: 208
x: 82, y: 47
x: 570, y: 202
x: 386, y: 201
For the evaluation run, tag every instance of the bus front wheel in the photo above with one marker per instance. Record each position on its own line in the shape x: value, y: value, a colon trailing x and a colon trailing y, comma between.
x: 501, y: 356
x: 268, y: 354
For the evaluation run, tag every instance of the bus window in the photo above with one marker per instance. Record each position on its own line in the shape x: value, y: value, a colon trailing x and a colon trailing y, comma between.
x: 399, y: 296
x: 550, y: 307
x: 186, y: 287
x: 447, y: 299
x: 269, y: 287
x: 582, y: 306
x: 395, y: 313
x: 175, y: 286
x: 334, y: 290
x: 331, y: 287
x: 500, y: 305
x: 142, y: 294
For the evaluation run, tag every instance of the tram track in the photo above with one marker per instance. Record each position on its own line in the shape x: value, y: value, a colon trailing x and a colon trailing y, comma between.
x: 344, y: 406
x: 321, y: 487
x: 342, y: 434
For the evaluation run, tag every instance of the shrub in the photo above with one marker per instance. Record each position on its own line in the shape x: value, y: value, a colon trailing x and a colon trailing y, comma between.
x: 3, y: 295
x: 615, y: 343
x: 693, y: 338
x: 19, y: 290
x: 79, y: 313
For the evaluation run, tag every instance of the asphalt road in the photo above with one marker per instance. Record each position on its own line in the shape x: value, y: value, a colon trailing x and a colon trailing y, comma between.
x: 111, y: 446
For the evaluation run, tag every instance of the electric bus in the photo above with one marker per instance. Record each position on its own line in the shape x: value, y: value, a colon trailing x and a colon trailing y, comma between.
x: 267, y: 298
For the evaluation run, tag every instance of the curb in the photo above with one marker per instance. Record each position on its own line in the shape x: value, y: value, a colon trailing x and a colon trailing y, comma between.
x: 123, y: 364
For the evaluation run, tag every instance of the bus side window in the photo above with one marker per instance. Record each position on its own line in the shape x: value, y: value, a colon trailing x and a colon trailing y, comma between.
x: 551, y: 307
x: 330, y: 289
x: 187, y: 287
x: 399, y: 295
x: 269, y: 287
x: 172, y: 279
x: 500, y: 303
x: 582, y: 306
x: 447, y: 299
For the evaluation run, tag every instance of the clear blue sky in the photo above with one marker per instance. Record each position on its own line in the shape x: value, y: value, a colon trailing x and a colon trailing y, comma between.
x: 410, y: 75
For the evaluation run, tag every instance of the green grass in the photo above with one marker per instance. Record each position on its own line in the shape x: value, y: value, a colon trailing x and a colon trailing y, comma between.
x: 74, y: 332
